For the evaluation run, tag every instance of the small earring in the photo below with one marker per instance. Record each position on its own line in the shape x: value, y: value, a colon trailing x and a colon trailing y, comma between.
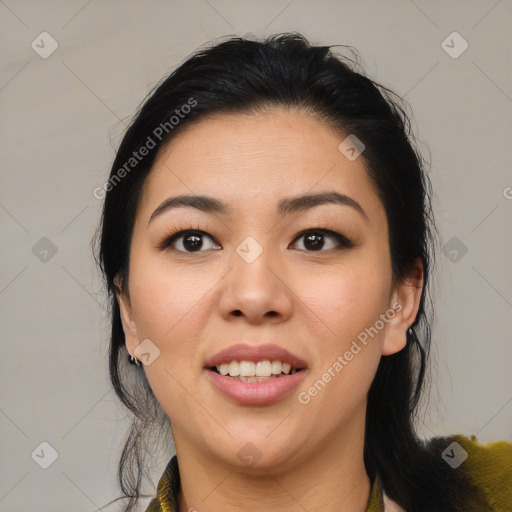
x: 133, y: 360
x: 409, y: 331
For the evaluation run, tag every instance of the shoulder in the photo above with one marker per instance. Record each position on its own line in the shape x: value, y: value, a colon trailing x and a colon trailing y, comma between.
x: 166, y: 498
x: 489, y: 467
x: 486, y: 467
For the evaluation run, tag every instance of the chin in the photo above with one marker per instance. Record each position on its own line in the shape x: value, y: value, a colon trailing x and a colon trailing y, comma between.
x: 258, y: 452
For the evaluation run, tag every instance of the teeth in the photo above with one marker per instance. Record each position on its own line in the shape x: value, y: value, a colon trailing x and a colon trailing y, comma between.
x: 234, y: 368
x: 255, y: 379
x: 223, y: 369
x: 276, y: 367
x: 247, y: 369
x: 263, y: 369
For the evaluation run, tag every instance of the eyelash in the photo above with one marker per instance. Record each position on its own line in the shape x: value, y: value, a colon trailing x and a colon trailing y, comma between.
x: 343, y: 241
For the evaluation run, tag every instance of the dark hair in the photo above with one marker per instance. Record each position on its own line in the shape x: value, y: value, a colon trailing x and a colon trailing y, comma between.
x: 248, y: 76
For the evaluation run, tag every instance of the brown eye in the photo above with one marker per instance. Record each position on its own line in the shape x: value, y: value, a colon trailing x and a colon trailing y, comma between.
x: 317, y: 239
x: 187, y: 241
x: 314, y: 240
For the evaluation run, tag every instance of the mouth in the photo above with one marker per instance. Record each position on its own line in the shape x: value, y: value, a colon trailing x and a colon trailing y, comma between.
x: 259, y: 371
x: 254, y: 390
x: 255, y: 375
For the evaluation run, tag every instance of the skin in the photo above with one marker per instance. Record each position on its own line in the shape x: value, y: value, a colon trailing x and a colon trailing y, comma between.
x: 310, y: 456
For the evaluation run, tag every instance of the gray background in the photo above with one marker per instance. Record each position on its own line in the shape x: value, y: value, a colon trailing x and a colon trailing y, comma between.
x: 62, y: 118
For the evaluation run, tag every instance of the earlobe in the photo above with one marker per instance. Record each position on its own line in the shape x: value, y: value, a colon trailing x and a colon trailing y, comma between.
x: 127, y: 320
x: 407, y: 296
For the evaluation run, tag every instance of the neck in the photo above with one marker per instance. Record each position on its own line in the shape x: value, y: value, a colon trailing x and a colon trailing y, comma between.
x: 333, y: 479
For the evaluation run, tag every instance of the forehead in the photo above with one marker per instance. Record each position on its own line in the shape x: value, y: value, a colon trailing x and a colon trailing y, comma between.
x: 251, y: 161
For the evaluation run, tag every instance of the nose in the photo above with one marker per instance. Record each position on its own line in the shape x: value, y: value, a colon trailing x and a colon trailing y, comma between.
x: 256, y: 289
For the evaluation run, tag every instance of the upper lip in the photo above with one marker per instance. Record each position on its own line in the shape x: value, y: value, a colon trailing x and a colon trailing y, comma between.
x: 255, y: 353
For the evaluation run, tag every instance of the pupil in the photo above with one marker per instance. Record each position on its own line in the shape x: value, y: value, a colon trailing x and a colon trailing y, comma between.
x: 195, y: 244
x: 314, y: 241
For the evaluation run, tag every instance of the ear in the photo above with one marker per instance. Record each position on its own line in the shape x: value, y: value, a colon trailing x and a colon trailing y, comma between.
x: 405, y: 302
x: 129, y: 326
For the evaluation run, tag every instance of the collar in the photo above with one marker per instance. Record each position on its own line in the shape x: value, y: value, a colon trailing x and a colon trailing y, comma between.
x: 166, y: 499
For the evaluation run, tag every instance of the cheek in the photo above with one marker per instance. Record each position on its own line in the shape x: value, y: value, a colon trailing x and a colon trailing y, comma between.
x: 350, y: 302
x: 349, y: 305
x: 346, y: 299
x: 168, y: 303
x: 169, y: 307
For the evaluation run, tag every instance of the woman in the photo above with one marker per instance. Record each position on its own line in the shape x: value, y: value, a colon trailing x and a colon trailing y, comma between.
x: 267, y: 242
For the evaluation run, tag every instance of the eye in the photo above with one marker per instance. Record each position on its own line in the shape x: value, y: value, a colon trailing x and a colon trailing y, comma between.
x: 187, y: 241
x: 190, y: 241
x: 314, y: 240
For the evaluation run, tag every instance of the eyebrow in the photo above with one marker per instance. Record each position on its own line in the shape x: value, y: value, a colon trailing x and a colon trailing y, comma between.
x: 285, y: 206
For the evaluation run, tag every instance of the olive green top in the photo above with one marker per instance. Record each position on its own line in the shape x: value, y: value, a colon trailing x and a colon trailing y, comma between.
x: 487, y: 466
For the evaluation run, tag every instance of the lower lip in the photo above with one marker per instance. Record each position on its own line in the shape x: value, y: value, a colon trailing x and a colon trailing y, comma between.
x: 256, y: 393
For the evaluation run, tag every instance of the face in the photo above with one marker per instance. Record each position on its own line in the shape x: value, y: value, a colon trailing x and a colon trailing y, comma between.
x: 312, y: 278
